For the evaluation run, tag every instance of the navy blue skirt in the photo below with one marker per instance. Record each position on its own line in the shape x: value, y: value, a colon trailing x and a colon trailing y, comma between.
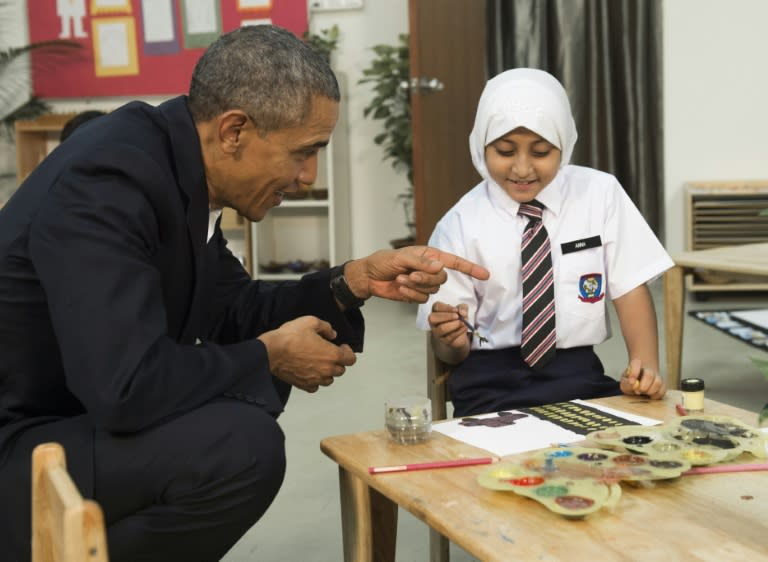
x: 491, y: 381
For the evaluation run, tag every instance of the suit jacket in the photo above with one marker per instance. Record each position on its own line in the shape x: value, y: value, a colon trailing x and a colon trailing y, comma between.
x: 107, y: 282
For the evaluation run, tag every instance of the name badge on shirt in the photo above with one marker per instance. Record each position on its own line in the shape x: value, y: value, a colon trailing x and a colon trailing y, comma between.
x: 583, y: 244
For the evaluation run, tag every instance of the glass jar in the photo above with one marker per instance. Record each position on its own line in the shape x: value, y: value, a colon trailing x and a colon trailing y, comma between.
x: 408, y: 419
x: 693, y: 394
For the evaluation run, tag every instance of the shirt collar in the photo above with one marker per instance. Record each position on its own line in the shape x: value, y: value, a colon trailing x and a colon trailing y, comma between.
x: 551, y: 196
x: 213, y: 216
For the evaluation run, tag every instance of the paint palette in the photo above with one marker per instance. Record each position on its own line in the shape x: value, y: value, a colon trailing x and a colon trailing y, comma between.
x: 576, y: 481
x: 700, y: 439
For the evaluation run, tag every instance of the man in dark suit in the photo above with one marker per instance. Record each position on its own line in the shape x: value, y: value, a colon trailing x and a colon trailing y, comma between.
x: 131, y: 335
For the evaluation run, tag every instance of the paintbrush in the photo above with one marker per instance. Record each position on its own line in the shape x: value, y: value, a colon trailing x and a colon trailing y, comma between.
x: 473, y: 330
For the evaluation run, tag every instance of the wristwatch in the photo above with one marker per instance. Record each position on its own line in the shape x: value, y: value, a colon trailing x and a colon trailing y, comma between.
x: 341, y: 290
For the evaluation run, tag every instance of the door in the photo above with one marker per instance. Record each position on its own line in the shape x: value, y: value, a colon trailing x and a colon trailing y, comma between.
x: 448, y: 56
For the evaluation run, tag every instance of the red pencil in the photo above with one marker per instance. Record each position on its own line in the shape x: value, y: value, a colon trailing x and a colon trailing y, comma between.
x: 426, y: 465
x: 719, y: 468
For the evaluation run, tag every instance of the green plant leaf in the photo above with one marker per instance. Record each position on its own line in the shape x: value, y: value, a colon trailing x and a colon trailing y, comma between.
x: 391, y: 104
x: 381, y: 112
x: 324, y: 42
x: 761, y: 364
x: 762, y: 419
x: 12, y: 77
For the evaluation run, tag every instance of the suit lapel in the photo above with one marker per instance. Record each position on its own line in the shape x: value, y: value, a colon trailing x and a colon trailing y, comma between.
x: 191, y: 181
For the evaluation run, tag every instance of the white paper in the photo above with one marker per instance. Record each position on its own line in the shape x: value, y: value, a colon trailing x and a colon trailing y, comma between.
x: 157, y: 17
x: 201, y: 16
x: 113, y: 44
x: 526, y: 434
x: 111, y: 4
x: 250, y: 4
x: 258, y: 21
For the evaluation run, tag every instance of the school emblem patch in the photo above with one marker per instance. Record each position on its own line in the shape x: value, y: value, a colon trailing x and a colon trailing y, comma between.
x: 591, y: 287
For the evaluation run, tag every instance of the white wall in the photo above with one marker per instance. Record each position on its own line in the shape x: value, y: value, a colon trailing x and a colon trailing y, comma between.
x: 715, y: 98
x: 376, y: 215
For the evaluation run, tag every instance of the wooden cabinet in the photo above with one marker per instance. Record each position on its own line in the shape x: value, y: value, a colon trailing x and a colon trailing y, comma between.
x: 313, y: 232
x: 725, y: 214
x: 35, y: 138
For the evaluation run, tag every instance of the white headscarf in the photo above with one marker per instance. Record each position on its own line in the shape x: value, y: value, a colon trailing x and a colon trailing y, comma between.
x: 522, y: 97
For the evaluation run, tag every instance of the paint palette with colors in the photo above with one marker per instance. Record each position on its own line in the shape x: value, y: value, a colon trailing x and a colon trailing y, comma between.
x: 700, y: 439
x: 576, y: 481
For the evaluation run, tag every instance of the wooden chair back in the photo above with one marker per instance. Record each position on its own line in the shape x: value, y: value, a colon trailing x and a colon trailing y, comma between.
x: 65, y: 528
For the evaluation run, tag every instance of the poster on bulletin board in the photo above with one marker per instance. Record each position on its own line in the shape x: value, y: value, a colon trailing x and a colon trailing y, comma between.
x: 138, y: 47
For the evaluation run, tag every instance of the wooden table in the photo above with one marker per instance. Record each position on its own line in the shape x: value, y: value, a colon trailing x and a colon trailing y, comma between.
x: 749, y: 259
x: 703, y: 517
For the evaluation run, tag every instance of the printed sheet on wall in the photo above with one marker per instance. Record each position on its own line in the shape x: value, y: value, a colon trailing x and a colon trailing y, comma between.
x: 138, y: 47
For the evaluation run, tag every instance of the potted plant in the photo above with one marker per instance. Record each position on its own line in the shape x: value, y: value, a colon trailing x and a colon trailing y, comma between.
x: 15, y: 100
x: 389, y: 74
x: 324, y: 42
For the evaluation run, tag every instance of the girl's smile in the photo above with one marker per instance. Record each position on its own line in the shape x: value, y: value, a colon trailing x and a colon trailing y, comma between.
x: 522, y: 163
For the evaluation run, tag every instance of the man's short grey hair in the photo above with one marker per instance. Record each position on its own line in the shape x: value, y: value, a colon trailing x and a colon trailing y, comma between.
x: 263, y: 70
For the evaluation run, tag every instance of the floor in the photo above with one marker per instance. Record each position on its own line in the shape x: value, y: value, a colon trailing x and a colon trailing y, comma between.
x: 304, y: 522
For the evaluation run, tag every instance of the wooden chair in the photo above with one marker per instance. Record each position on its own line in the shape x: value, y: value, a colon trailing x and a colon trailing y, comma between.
x: 65, y: 528
x: 437, y: 378
x: 437, y: 391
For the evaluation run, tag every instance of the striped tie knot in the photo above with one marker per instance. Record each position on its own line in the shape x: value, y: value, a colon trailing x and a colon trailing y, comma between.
x: 531, y: 210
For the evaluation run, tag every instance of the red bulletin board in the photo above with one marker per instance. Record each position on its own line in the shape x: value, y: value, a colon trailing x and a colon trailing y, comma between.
x: 138, y: 47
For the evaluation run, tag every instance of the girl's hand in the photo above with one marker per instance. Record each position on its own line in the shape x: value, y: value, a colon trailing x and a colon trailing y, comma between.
x: 447, y: 326
x: 637, y: 380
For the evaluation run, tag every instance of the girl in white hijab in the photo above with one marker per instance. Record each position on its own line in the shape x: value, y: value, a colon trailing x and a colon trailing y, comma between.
x: 601, y: 249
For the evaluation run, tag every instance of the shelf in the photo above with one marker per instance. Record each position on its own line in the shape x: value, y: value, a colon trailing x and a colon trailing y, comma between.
x: 299, y: 210
x: 299, y: 203
x: 311, y: 229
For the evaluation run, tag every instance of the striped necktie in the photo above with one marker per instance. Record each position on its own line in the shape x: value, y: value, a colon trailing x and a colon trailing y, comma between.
x: 538, y: 342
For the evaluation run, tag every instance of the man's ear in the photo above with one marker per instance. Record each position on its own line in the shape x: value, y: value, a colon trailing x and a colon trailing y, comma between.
x: 230, y: 129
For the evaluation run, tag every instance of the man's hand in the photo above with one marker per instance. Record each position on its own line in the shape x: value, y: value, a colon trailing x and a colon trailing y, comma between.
x: 300, y: 353
x: 409, y: 274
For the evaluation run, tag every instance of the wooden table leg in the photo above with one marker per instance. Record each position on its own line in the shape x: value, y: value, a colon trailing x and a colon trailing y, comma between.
x: 674, y: 304
x: 438, y: 547
x: 368, y: 521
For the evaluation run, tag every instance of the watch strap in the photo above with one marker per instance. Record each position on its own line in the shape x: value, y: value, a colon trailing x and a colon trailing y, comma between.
x: 340, y: 289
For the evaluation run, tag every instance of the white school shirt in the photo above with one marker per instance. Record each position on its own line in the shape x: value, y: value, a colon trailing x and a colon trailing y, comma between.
x: 213, y: 216
x: 580, y: 204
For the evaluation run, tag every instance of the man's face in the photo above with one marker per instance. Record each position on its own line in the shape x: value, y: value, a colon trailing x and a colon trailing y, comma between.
x: 255, y: 175
x: 522, y: 163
